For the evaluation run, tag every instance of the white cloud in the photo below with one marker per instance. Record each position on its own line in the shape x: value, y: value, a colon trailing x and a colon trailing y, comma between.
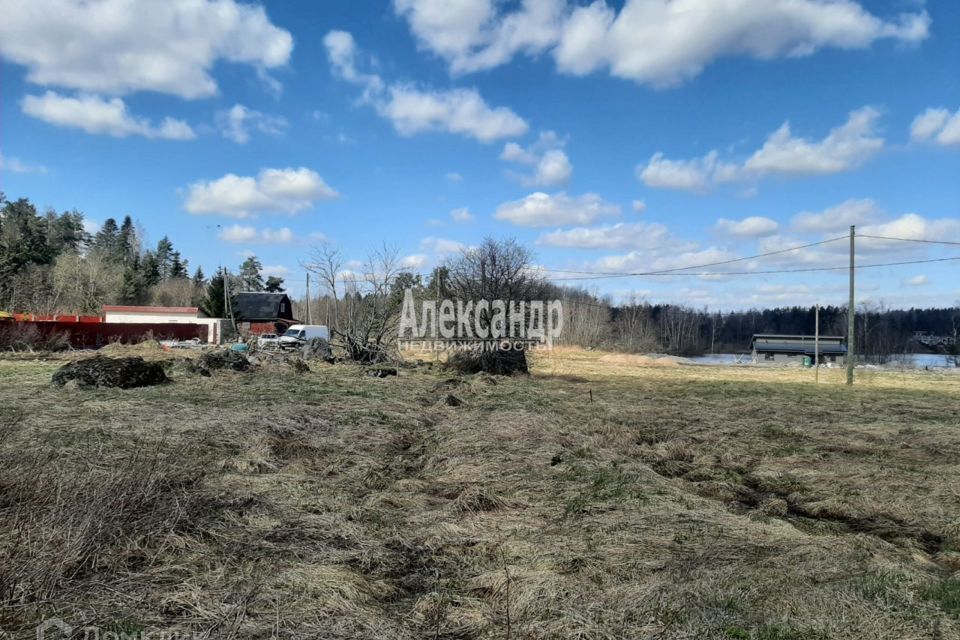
x: 663, y: 42
x: 553, y: 169
x: 460, y: 111
x: 752, y: 227
x: 412, y: 110
x: 453, y: 176
x: 441, y: 246
x: 461, y: 215
x: 342, y: 53
x: 644, y: 261
x: 246, y: 234
x: 636, y: 235
x: 235, y: 123
x: 916, y: 281
x: 683, y: 175
x: 15, y: 165
x: 656, y: 42
x: 844, y: 148
x: 471, y: 36
x: 544, y: 210
x: 910, y: 226
x: 281, y: 190
x: 94, y: 114
x: 937, y: 124
x: 639, y: 206
x: 121, y: 46
x: 551, y: 165
x: 415, y: 261
x: 277, y: 270
x: 91, y: 226
x: 838, y: 218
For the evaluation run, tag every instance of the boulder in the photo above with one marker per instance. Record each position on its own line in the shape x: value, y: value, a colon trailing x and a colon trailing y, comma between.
x: 224, y: 359
x: 103, y: 372
x: 317, y: 349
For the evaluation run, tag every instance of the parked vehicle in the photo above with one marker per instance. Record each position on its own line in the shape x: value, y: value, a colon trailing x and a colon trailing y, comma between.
x: 298, y: 334
x: 268, y: 341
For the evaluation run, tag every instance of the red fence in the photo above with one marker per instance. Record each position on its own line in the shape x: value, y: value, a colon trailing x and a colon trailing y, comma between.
x: 93, y: 335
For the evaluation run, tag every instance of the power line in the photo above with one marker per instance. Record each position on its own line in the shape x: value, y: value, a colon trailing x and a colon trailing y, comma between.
x: 946, y: 242
x: 705, y: 265
x: 765, y: 272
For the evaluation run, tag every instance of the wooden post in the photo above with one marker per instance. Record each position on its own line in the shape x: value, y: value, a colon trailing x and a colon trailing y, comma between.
x: 851, y: 309
x: 816, y: 344
x: 309, y: 317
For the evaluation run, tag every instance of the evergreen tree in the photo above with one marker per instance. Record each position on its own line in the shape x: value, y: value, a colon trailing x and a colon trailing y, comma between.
x: 213, y: 304
x: 274, y: 285
x: 164, y: 257
x: 107, y: 241
x: 178, y: 266
x: 127, y: 241
x: 250, y: 274
x: 198, y: 278
x: 150, y: 270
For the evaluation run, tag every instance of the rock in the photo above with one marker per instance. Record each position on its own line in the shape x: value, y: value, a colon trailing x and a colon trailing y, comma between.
x: 298, y: 365
x: 452, y: 400
x: 223, y: 359
x: 381, y: 372
x: 185, y: 366
x: 104, y: 372
x: 319, y: 349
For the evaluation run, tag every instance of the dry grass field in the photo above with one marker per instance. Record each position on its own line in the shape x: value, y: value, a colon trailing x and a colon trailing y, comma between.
x: 596, y: 498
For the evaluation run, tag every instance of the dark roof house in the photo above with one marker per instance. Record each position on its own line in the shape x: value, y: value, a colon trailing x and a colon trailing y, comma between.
x: 256, y: 306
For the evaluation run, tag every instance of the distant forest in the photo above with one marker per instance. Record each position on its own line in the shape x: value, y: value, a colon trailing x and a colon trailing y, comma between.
x: 50, y: 264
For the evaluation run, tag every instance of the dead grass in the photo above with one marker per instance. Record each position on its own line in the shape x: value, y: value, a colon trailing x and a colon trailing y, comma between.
x: 596, y: 498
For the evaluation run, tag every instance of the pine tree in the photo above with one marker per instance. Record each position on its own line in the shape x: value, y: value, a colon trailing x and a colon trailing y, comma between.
x: 213, y: 304
x: 198, y: 278
x: 250, y: 274
x: 128, y: 242
x: 165, y: 258
x: 274, y: 285
x: 107, y: 241
x: 178, y: 266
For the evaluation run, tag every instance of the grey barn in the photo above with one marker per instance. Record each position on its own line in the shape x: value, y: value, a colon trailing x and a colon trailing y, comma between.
x: 769, y: 347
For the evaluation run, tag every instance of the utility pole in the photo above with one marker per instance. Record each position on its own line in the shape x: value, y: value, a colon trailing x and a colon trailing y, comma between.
x: 227, y: 302
x: 309, y: 317
x: 816, y: 344
x: 851, y: 309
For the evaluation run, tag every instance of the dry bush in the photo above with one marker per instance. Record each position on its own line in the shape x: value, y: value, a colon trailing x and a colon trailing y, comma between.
x: 18, y: 336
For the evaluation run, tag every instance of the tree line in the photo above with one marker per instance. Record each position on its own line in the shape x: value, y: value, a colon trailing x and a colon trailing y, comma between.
x: 50, y: 264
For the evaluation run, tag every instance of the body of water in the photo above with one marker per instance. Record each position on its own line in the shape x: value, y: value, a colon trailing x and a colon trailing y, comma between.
x: 918, y: 360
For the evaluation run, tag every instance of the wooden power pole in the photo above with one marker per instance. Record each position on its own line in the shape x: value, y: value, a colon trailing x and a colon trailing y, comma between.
x: 851, y: 309
x: 309, y: 317
x: 816, y: 343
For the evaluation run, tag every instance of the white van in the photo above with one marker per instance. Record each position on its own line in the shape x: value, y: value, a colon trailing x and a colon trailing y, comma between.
x: 297, y: 334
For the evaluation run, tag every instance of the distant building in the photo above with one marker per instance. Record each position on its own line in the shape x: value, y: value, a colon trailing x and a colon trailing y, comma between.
x: 768, y: 347
x: 129, y: 314
x: 259, y: 312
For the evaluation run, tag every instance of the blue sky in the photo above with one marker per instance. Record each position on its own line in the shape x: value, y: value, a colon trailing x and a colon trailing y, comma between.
x: 610, y: 137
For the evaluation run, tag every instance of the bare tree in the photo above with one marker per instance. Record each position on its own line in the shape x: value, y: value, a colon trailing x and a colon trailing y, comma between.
x: 326, y: 262
x: 370, y: 330
x: 495, y: 270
